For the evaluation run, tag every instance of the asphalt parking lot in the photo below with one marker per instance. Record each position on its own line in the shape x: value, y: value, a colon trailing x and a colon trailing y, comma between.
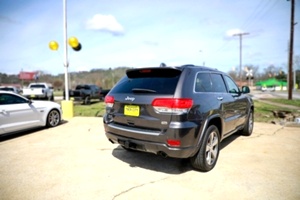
x: 76, y: 161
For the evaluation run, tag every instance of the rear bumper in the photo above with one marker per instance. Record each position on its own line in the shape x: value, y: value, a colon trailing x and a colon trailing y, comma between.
x: 35, y: 96
x: 154, y: 143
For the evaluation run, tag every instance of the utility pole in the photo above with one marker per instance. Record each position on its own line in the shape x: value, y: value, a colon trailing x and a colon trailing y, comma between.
x: 241, y: 38
x: 290, y: 73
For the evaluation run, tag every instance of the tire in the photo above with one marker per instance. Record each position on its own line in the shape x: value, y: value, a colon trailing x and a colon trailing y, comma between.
x: 208, y: 154
x: 248, y: 129
x: 87, y: 100
x: 53, y: 118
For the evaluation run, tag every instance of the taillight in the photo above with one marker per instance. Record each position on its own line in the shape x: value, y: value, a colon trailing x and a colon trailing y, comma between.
x: 172, y: 105
x: 109, y: 101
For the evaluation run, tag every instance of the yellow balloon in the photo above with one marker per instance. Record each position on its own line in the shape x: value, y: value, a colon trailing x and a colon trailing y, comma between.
x: 73, y: 42
x: 53, y: 45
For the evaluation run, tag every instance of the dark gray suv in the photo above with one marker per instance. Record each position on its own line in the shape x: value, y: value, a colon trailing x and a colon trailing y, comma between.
x: 180, y: 112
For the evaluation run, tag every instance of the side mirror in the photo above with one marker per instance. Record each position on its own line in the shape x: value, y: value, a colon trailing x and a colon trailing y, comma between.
x: 245, y: 90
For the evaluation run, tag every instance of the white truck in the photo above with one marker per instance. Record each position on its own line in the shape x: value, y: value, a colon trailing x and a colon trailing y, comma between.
x: 39, y: 91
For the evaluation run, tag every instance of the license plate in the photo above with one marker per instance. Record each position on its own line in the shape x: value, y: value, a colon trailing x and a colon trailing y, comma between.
x: 32, y: 96
x: 131, y: 110
x: 72, y: 98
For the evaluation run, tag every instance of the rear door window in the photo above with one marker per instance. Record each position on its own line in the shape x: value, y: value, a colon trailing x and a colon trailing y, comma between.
x: 203, y: 83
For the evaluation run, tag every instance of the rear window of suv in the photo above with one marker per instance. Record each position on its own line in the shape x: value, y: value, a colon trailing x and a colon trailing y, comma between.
x: 150, y: 80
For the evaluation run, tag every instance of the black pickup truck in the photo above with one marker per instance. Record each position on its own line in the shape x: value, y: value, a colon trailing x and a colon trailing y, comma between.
x: 85, y: 93
x: 103, y: 93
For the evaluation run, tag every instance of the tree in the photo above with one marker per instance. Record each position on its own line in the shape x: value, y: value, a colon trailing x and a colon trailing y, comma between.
x: 233, y: 75
x: 58, y: 84
x: 282, y: 76
x: 272, y: 72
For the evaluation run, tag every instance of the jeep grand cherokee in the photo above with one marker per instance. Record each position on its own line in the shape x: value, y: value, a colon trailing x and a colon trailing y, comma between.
x: 180, y: 112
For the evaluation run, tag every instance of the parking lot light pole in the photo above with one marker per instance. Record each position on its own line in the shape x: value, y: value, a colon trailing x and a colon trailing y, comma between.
x: 67, y: 105
x: 66, y: 63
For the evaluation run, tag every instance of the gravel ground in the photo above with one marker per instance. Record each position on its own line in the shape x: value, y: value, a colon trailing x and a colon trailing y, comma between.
x: 76, y: 161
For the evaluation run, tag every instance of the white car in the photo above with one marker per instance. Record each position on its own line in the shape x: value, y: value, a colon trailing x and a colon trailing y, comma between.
x: 10, y: 88
x: 268, y: 88
x: 18, y: 113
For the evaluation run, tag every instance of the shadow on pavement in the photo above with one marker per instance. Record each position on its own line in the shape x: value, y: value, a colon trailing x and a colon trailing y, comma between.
x: 10, y: 136
x: 229, y: 140
x: 152, y: 162
x: 14, y: 135
x: 158, y: 163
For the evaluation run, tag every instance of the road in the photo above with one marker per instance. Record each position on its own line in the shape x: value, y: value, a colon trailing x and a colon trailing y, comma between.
x: 280, y: 94
x: 75, y: 161
x: 258, y: 94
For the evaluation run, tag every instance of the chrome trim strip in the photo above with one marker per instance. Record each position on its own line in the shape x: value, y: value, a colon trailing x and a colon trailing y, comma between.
x: 139, y: 131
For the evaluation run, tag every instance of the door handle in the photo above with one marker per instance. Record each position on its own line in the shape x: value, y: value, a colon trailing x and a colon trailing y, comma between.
x: 220, y: 98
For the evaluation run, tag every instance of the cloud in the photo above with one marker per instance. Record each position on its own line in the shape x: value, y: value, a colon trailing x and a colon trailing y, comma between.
x: 231, y: 32
x: 106, y: 23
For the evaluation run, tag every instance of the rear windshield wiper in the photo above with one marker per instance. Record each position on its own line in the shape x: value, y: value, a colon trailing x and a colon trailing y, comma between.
x: 141, y: 90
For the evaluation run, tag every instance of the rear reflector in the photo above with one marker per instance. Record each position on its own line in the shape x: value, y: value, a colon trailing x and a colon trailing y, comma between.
x: 173, y: 143
x: 172, y: 105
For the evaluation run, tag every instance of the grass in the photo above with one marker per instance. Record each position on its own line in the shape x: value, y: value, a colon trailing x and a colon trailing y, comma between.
x: 58, y: 93
x: 293, y: 102
x: 95, y: 109
x: 263, y: 111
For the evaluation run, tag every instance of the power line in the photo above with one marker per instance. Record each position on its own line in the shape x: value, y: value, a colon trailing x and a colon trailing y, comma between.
x: 258, y: 13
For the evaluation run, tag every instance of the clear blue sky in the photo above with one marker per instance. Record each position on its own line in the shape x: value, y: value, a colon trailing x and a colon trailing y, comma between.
x: 139, y: 33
